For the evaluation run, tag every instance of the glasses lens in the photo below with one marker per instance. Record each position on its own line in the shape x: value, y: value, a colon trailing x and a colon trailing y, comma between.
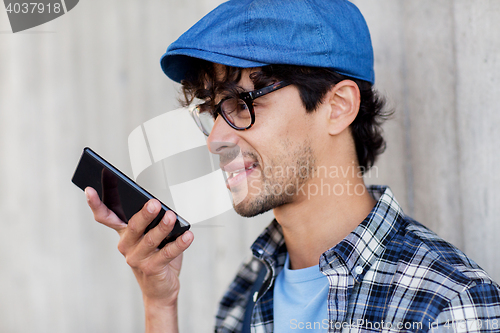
x: 206, y: 122
x: 236, y: 112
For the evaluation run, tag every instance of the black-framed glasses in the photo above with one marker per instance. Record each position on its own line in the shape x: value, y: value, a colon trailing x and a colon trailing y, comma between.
x: 237, y: 111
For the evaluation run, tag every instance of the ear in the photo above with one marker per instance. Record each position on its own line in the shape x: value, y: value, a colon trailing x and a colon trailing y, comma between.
x: 343, y: 102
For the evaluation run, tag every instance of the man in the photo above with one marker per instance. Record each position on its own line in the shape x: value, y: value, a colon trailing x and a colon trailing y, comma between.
x: 288, y: 84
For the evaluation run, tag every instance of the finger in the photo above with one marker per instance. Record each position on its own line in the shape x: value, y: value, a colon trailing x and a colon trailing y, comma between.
x: 173, y: 250
x: 155, y: 236
x: 138, y: 223
x: 101, y: 213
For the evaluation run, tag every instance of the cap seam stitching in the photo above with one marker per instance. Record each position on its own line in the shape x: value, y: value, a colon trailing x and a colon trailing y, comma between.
x: 319, y: 32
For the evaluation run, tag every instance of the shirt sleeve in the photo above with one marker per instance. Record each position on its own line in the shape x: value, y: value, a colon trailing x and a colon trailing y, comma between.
x: 476, y: 309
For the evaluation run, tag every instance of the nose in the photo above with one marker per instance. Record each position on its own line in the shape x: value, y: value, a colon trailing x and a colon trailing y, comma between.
x: 222, y: 137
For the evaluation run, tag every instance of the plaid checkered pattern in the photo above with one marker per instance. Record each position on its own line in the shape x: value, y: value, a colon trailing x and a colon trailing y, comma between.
x: 391, y: 274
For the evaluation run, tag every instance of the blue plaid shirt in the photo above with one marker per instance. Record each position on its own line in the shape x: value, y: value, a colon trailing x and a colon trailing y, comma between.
x: 391, y: 274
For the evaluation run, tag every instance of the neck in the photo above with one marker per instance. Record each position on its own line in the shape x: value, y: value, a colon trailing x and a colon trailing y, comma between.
x: 330, y: 209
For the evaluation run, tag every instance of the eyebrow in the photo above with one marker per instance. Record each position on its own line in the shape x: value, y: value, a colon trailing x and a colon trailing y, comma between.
x: 228, y: 93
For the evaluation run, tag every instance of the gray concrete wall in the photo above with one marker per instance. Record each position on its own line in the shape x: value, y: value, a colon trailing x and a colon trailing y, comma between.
x: 92, y: 76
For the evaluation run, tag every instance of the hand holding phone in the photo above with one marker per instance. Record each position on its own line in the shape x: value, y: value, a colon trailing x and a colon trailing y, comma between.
x: 156, y: 270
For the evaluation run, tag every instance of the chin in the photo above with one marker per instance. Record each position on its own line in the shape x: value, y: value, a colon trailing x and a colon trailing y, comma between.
x: 246, y: 212
x: 251, y: 207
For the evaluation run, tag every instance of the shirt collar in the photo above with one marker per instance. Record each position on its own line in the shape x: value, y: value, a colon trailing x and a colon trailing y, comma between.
x: 270, y: 242
x: 365, y: 244
x: 359, y: 249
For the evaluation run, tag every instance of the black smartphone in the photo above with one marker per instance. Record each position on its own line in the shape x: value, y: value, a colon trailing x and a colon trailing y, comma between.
x: 120, y: 193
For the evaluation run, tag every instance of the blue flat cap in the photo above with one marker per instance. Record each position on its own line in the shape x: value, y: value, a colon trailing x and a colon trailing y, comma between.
x: 254, y: 33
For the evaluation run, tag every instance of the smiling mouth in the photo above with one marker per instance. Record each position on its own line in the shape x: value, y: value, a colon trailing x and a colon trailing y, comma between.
x: 235, y: 173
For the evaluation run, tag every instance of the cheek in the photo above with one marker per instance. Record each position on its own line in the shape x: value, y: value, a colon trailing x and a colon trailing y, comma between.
x: 282, y: 121
x: 288, y: 118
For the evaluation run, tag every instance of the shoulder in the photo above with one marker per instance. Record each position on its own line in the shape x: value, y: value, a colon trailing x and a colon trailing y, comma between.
x: 475, y: 309
x: 424, y: 249
x: 436, y: 279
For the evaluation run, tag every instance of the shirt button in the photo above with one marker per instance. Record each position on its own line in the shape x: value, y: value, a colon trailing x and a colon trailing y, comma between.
x: 358, y: 269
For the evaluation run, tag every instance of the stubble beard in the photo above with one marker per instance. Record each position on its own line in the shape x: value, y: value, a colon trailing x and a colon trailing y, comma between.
x: 272, y: 193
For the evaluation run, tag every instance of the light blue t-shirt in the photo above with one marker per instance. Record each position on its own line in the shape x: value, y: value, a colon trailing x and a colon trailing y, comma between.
x: 300, y: 300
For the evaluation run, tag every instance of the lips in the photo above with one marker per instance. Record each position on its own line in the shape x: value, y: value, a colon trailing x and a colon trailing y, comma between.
x: 237, y: 172
x: 233, y: 172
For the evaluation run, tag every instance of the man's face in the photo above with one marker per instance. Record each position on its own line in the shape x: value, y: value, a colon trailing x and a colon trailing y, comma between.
x: 277, y: 151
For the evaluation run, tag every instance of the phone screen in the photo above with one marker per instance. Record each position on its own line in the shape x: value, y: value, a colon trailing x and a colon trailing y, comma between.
x: 119, y: 193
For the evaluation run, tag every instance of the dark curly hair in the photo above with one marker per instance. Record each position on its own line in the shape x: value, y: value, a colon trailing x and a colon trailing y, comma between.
x: 205, y: 82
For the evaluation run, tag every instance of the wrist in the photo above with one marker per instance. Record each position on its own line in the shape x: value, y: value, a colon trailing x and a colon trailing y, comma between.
x: 160, y: 316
